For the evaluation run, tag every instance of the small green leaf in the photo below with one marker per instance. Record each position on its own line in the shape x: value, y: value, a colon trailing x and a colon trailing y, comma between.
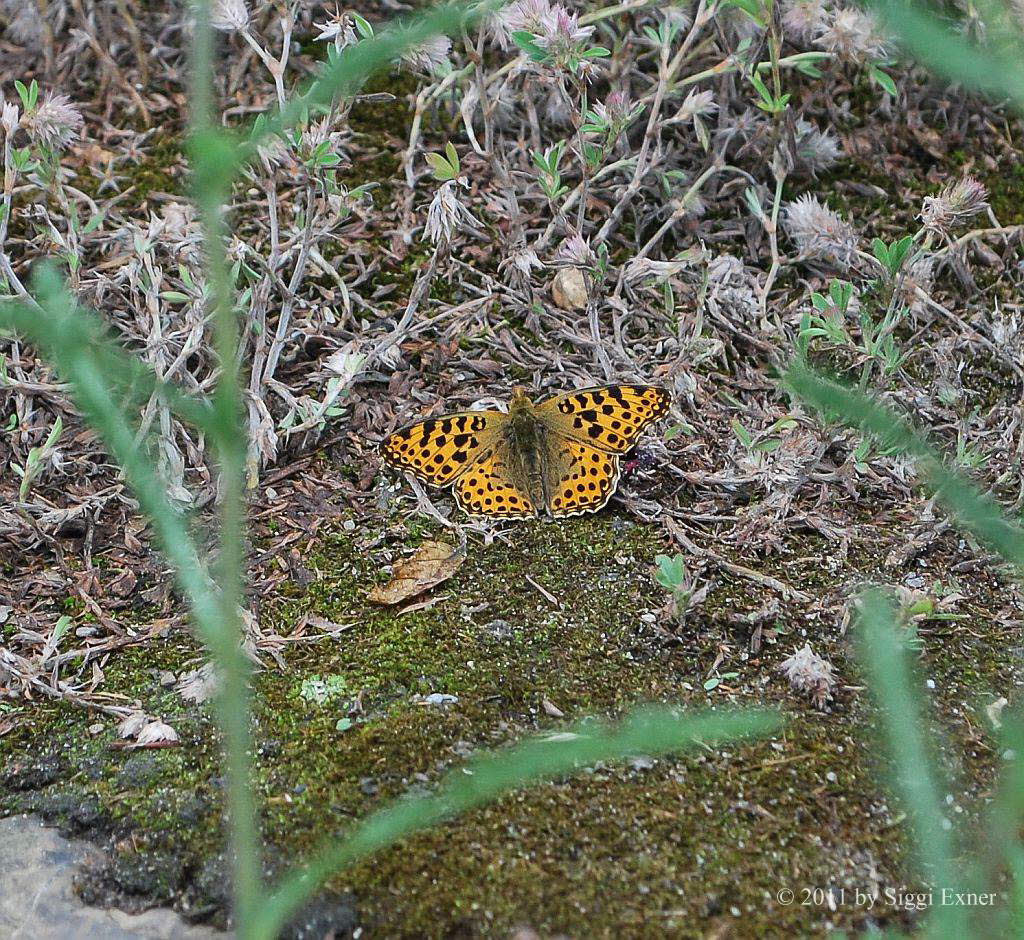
x: 528, y: 44
x: 742, y: 433
x: 884, y: 79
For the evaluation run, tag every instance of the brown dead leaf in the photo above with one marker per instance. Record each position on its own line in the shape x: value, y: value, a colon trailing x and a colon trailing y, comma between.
x: 432, y: 563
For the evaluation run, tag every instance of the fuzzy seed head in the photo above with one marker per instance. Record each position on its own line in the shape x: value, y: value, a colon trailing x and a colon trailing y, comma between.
x: 55, y: 122
x: 956, y: 203
x: 819, y: 232
x: 853, y: 36
x: 430, y: 56
x: 808, y: 673
x: 229, y: 15
x: 804, y: 20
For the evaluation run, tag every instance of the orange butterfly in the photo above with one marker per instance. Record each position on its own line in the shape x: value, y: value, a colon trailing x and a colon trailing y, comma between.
x: 559, y: 457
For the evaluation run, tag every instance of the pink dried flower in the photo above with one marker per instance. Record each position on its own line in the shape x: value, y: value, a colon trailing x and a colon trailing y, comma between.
x: 615, y: 109
x: 523, y: 16
x: 229, y: 15
x: 819, y: 232
x: 853, y: 36
x: 554, y: 29
x: 55, y: 122
x: 955, y: 204
x: 808, y: 673
x: 430, y: 56
x: 561, y: 32
x: 576, y: 250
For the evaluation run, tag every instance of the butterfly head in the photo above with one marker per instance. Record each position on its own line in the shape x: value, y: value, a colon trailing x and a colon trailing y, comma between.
x: 520, y: 401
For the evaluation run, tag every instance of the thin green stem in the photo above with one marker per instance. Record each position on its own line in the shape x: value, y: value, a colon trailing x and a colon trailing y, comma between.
x: 213, y: 170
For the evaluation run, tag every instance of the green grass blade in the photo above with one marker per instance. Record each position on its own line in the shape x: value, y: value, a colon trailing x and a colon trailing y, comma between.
x: 214, y: 163
x: 646, y: 731
x: 916, y: 777
x: 994, y: 70
x: 979, y: 513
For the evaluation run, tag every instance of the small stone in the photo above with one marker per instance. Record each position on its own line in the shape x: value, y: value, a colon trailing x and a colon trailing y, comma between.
x: 168, y: 679
x: 369, y: 786
x: 569, y: 289
x: 96, y: 729
x: 440, y: 698
x: 499, y: 629
x: 349, y: 525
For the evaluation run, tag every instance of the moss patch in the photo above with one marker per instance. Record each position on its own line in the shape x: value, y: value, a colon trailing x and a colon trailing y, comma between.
x: 649, y: 848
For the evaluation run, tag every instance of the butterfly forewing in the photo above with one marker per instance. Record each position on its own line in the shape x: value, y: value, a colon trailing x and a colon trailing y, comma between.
x: 487, y: 488
x: 610, y: 417
x: 440, y: 449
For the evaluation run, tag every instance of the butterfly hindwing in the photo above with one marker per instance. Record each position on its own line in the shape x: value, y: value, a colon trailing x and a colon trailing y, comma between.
x: 487, y: 488
x: 610, y: 417
x: 439, y: 449
x: 585, y: 479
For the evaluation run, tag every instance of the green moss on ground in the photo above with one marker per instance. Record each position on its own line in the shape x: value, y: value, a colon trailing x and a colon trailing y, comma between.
x: 680, y: 845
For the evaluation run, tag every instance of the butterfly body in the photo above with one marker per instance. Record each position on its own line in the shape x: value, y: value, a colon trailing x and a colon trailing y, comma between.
x: 558, y: 457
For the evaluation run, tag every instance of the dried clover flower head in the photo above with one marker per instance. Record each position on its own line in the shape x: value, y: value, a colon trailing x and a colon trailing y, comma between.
x: 804, y: 20
x: 576, y: 250
x: 853, y: 36
x: 430, y: 56
x: 55, y: 122
x: 229, y: 15
x: 523, y: 260
x: 807, y: 672
x: 695, y: 104
x: 955, y: 204
x: 10, y: 116
x: 339, y: 28
x: 555, y: 29
x: 22, y: 21
x: 446, y: 215
x: 819, y: 232
x: 816, y: 150
x: 561, y: 32
x: 522, y: 16
x: 615, y: 108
